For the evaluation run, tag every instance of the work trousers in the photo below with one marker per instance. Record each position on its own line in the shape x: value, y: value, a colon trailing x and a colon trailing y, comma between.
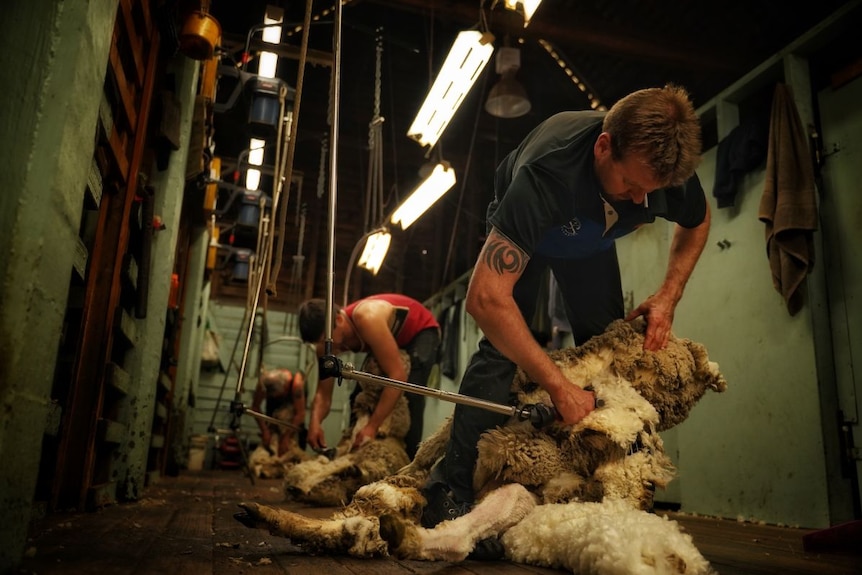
x: 424, y: 352
x: 592, y: 292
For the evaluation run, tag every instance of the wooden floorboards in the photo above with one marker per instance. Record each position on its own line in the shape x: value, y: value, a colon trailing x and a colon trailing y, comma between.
x: 185, y: 525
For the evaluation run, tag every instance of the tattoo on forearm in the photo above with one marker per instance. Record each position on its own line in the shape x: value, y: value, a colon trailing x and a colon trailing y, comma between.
x: 502, y: 257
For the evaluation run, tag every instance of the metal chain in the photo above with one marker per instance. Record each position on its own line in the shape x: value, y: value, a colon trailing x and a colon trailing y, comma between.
x: 379, y: 54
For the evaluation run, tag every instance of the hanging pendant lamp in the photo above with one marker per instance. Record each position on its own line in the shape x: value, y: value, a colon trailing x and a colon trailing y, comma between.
x: 508, y: 99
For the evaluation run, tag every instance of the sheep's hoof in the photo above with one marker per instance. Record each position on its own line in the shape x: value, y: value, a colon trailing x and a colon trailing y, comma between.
x: 351, y: 471
x: 248, y: 517
x: 489, y: 549
x: 392, y: 531
x: 245, y: 519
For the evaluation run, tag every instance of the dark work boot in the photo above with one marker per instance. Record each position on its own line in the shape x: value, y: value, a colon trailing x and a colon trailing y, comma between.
x: 488, y: 549
x: 442, y: 506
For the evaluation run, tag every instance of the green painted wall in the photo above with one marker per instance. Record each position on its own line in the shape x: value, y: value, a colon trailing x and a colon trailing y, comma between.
x: 52, y: 67
x: 145, y: 363
x: 763, y: 450
x: 52, y: 64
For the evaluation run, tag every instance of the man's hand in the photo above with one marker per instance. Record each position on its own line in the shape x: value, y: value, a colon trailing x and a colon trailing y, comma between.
x: 266, y: 438
x: 319, y: 410
x: 365, y: 434
x: 316, y: 438
x: 658, y: 309
x: 658, y: 312
x: 573, y: 403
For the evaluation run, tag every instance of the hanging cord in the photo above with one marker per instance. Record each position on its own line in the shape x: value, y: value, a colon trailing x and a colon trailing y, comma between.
x: 266, y: 223
x: 263, y: 341
x: 212, y: 428
x: 374, y: 189
x: 285, y: 180
x: 393, y: 192
x: 257, y: 264
x: 334, y: 101
x: 463, y: 186
x: 374, y: 200
x: 278, y: 206
x: 483, y: 26
x: 254, y: 293
x: 298, y: 258
x: 321, y: 175
x: 260, y: 262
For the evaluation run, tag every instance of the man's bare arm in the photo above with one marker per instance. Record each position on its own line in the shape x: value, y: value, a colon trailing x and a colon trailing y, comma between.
x: 491, y: 303
x: 373, y: 320
x: 659, y: 309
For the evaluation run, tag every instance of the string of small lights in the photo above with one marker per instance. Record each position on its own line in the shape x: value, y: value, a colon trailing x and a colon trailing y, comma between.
x: 595, y: 102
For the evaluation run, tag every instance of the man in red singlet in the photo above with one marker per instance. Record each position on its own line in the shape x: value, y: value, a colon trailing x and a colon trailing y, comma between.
x: 380, y: 325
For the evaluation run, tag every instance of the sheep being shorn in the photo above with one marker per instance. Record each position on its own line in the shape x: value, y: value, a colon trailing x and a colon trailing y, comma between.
x: 562, y: 481
x: 331, y: 482
x: 267, y: 464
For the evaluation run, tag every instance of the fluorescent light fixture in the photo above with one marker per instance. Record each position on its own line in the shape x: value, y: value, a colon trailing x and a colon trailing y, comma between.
x: 252, y: 179
x: 526, y: 7
x: 255, y: 158
x: 268, y: 62
x: 442, y: 178
x: 375, y: 250
x: 266, y: 68
x: 255, y: 151
x: 467, y: 58
x: 272, y: 34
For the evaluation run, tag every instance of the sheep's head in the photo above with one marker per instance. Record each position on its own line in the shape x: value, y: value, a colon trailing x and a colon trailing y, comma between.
x: 672, y: 379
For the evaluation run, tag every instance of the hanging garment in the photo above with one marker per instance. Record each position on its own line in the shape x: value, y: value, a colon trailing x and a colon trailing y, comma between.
x: 742, y: 150
x: 788, y: 206
x: 450, y: 323
x: 560, y: 325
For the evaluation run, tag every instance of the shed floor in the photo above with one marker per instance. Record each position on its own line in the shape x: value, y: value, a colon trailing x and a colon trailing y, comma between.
x: 185, y: 524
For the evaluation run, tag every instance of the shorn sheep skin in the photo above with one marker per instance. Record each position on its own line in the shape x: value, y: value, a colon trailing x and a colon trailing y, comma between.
x: 575, y: 497
x: 331, y: 482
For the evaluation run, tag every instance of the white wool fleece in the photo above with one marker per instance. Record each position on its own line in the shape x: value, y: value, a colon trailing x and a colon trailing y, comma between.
x: 608, y: 538
x: 624, y: 414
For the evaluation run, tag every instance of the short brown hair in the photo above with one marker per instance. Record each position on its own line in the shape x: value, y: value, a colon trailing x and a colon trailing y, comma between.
x: 312, y: 319
x: 661, y: 124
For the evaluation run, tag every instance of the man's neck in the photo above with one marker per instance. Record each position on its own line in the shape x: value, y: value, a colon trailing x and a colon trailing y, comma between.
x: 351, y: 337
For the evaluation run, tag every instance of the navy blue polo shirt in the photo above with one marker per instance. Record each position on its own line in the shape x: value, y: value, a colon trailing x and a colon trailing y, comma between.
x: 548, y: 199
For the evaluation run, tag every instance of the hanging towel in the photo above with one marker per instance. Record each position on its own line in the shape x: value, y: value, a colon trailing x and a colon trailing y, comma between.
x: 788, y: 206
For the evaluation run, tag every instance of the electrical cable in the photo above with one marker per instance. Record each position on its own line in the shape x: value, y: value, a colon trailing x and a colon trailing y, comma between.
x: 291, y: 145
x: 464, y: 179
